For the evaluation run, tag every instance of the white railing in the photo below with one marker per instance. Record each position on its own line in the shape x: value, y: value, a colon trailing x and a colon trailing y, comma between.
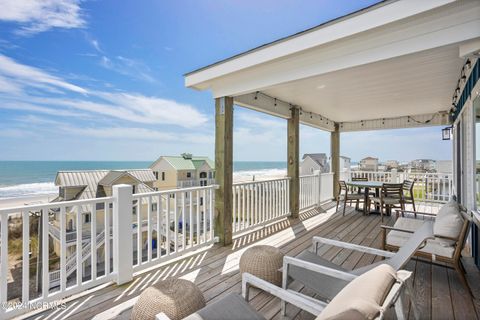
x: 315, y: 189
x: 309, y: 191
x: 152, y: 225
x: 171, y: 224
x: 257, y: 203
x: 430, y: 187
x: 44, y: 259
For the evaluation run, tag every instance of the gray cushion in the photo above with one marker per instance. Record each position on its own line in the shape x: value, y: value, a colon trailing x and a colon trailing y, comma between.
x: 232, y: 307
x: 448, y: 223
x: 325, y: 286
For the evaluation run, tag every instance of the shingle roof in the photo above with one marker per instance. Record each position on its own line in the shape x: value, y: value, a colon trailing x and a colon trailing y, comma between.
x: 113, y: 176
x: 90, y: 180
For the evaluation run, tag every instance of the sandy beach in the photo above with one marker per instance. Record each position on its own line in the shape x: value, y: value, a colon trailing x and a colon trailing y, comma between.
x: 28, y: 200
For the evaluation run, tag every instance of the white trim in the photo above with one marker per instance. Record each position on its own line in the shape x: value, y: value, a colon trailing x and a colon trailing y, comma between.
x: 337, y: 29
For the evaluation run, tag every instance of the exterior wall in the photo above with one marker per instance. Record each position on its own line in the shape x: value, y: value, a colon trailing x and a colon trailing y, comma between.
x: 369, y: 164
x: 308, y: 166
x: 345, y: 164
x: 170, y: 175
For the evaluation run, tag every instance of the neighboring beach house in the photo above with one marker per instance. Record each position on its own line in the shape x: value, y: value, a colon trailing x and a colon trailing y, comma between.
x: 183, y: 171
x: 345, y: 164
x: 312, y: 162
x: 369, y: 164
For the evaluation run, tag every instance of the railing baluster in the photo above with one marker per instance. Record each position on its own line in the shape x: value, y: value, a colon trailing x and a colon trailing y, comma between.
x: 4, y: 257
x: 159, y: 226
x: 63, y: 250
x: 79, y: 247
x: 149, y: 227
x: 204, y: 216
x: 248, y: 205
x: 107, y: 238
x: 139, y: 232
x: 190, y: 219
x: 243, y: 207
x: 198, y: 217
x: 25, y: 257
x: 183, y: 222
x: 234, y: 208
x: 93, y: 242
x: 175, y: 221
x: 45, y: 255
x: 210, y: 210
x: 167, y: 223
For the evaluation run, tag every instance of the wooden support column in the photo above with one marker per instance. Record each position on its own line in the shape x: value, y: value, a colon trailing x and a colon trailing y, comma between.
x: 223, y: 168
x: 293, y: 165
x: 335, y: 154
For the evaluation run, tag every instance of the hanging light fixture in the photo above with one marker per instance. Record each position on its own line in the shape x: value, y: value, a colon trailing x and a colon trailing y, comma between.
x: 446, y: 133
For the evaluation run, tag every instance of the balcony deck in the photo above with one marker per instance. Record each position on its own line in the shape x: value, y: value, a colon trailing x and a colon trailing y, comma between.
x: 439, y: 292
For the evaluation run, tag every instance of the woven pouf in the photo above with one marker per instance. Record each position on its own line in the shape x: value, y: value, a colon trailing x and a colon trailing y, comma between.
x: 177, y: 298
x: 263, y: 262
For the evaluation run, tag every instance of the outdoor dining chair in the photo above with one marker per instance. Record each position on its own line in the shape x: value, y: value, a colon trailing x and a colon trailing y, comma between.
x: 344, y: 195
x: 408, y: 197
x: 391, y: 196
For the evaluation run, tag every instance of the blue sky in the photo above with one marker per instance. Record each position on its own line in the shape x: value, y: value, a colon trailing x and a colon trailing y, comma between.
x: 103, y: 80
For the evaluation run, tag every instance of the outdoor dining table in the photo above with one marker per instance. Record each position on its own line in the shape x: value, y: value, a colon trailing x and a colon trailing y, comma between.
x: 367, y: 185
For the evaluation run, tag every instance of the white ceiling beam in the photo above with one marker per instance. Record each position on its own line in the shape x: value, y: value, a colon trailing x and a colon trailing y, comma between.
x: 269, y: 105
x: 423, y: 120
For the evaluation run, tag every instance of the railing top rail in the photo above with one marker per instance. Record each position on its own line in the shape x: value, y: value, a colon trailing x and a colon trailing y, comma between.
x: 309, y: 175
x: 166, y: 192
x: 260, y: 181
x: 60, y: 204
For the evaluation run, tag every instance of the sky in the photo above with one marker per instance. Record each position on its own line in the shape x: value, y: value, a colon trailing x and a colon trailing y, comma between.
x: 103, y: 80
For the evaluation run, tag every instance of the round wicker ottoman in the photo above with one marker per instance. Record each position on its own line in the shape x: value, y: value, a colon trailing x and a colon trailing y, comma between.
x: 263, y: 262
x: 177, y: 298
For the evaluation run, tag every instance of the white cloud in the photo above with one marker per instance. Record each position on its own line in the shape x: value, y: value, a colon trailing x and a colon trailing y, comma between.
x: 127, y: 67
x: 132, y: 107
x: 20, y: 75
x: 36, y: 16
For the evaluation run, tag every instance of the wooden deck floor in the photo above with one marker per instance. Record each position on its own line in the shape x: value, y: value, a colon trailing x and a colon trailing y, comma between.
x: 439, y: 293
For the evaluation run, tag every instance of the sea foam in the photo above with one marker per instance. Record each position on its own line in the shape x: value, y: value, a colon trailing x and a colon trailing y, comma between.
x: 28, y: 189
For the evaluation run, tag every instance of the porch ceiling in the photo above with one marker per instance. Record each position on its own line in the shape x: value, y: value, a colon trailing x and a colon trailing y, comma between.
x: 397, y: 59
x: 413, y: 84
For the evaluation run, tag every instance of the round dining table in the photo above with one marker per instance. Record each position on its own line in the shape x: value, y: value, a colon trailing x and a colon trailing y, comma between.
x: 367, y: 185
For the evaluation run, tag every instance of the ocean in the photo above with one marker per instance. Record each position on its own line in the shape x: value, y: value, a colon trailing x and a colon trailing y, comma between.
x: 32, y: 178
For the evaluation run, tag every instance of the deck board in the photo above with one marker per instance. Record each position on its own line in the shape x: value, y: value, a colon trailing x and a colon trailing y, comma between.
x: 438, y: 291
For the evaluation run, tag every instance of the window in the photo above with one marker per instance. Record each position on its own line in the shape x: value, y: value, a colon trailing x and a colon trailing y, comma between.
x: 311, y: 170
x: 163, y: 176
x: 189, y: 174
x: 210, y: 175
x: 201, y: 201
x: 133, y: 189
x: 203, y: 175
x: 154, y: 207
x: 156, y: 174
x: 87, y: 218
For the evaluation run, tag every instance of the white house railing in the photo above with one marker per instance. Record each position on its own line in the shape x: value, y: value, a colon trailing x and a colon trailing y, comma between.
x: 430, y: 187
x: 259, y: 202
x: 142, y: 230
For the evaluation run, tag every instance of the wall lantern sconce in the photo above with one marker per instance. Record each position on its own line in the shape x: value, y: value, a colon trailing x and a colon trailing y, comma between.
x: 447, y: 133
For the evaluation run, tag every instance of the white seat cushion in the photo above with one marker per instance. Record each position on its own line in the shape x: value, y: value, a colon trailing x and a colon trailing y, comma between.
x: 363, y: 297
x: 448, y: 223
x: 433, y: 246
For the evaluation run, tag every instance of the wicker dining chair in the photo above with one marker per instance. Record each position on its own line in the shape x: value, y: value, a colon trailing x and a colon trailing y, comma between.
x: 391, y: 196
x: 408, y: 197
x: 345, y: 195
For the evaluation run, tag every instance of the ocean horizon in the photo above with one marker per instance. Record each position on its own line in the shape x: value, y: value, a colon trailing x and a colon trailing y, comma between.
x: 31, y: 178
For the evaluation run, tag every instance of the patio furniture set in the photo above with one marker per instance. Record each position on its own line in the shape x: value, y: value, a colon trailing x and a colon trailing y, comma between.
x: 384, y: 196
x: 363, y: 293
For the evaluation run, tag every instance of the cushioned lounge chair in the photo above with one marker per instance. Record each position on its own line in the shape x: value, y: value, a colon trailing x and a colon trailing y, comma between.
x: 367, y: 296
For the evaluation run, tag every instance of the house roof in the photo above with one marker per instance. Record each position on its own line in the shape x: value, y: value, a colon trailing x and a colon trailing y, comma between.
x: 113, y: 176
x: 181, y: 163
x: 319, y: 158
x: 370, y: 158
x: 92, y: 181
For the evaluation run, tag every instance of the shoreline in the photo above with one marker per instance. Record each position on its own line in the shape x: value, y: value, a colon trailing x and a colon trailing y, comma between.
x: 26, y: 200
